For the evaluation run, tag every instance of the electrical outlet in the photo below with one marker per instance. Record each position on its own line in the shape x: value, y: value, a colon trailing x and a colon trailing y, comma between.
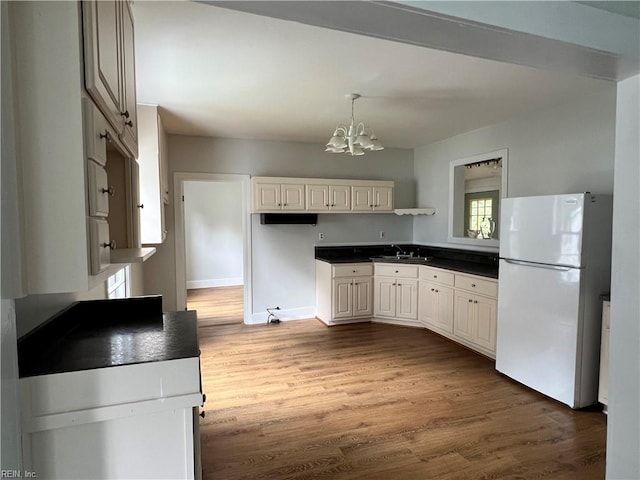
x: 381, y: 233
x: 321, y: 236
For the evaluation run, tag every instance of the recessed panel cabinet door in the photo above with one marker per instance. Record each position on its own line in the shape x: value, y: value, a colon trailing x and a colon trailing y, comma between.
x: 101, y: 57
x: 339, y: 198
x: 317, y: 197
x: 293, y: 196
x: 267, y: 196
x: 384, y: 294
x: 342, y: 298
x: 128, y: 86
x: 383, y: 198
x: 362, y: 297
x: 463, y: 319
x: 407, y: 299
x: 485, y: 311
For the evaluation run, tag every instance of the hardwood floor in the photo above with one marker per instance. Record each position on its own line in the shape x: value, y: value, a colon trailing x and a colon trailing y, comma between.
x: 299, y: 400
x: 218, y: 305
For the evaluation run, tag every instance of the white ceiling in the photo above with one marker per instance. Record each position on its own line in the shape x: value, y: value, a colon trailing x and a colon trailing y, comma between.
x: 222, y: 73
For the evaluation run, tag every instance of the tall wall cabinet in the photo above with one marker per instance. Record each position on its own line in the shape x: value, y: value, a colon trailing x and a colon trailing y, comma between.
x: 76, y: 150
x: 154, y: 177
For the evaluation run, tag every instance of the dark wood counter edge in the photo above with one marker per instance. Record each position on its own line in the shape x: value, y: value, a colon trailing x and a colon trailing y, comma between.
x: 39, y: 349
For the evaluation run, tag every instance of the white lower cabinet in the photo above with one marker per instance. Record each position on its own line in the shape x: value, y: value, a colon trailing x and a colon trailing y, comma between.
x: 344, y: 292
x: 459, y: 306
x: 131, y: 421
x: 395, y: 293
x: 475, y: 313
x: 435, y: 299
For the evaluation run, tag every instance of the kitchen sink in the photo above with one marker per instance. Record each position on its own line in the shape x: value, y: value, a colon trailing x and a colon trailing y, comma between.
x: 401, y: 258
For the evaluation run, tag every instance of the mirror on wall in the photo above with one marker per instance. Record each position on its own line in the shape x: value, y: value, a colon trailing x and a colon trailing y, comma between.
x: 476, y: 186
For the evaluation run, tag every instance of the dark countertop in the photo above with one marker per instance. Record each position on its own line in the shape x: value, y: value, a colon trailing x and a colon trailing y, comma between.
x: 108, y: 333
x: 465, y: 261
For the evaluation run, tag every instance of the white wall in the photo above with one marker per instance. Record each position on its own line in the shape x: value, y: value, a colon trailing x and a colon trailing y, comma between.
x: 623, y: 433
x: 565, y: 149
x: 283, y: 267
x: 213, y: 233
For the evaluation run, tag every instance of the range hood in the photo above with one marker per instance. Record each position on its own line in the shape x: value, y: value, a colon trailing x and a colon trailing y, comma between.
x: 288, y: 219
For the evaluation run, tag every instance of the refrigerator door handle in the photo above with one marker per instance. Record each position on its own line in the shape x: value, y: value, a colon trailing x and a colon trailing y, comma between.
x: 561, y: 268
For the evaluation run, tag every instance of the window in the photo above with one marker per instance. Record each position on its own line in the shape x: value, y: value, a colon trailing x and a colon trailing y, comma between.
x: 481, y: 213
x: 118, y: 284
x: 478, y: 211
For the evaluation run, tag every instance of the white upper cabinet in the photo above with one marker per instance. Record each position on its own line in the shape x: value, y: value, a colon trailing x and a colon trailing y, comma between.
x: 109, y: 65
x: 67, y: 147
x: 367, y: 198
x: 317, y: 195
x: 152, y: 161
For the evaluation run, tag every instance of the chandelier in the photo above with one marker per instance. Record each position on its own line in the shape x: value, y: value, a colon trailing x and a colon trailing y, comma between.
x: 354, y: 139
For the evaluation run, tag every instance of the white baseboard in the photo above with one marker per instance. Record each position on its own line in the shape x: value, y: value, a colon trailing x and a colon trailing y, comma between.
x: 215, y: 282
x: 301, y: 313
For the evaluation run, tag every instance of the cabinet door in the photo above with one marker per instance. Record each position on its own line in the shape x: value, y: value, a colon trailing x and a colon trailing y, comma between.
x: 383, y: 199
x: 384, y: 296
x: 436, y: 306
x: 98, y: 190
x: 100, y: 248
x: 485, y: 322
x: 362, y: 297
x: 292, y: 196
x: 407, y: 298
x: 267, y: 196
x: 361, y: 199
x: 128, y: 80
x: 342, y: 298
x: 427, y: 303
x: 317, y: 197
x: 444, y: 315
x: 102, y: 57
x: 463, y: 316
x: 339, y: 198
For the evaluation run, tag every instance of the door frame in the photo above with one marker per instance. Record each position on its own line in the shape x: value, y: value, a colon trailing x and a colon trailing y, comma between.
x: 179, y: 179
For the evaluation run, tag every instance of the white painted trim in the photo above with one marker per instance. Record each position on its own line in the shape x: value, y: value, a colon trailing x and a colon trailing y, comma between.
x: 301, y: 313
x: 504, y: 154
x: 214, y: 282
x: 179, y: 178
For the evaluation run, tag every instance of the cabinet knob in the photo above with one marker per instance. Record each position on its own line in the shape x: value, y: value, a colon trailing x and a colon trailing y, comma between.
x: 435, y: 276
x: 433, y: 289
x: 106, y: 135
x: 470, y: 301
x: 333, y: 204
x: 354, y: 271
x: 396, y: 271
x: 284, y: 205
x: 204, y: 398
x: 129, y: 123
x: 327, y: 205
x: 202, y: 414
x: 473, y: 285
x: 125, y: 114
x: 141, y: 205
x: 436, y: 291
x: 110, y: 191
x: 475, y: 301
x: 370, y: 206
x: 111, y: 245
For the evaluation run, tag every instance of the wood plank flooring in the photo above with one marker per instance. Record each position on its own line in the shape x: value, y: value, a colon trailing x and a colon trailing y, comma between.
x: 217, y: 305
x: 299, y: 400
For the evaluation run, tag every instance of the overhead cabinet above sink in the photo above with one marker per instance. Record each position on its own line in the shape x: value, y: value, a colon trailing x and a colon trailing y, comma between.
x: 321, y: 195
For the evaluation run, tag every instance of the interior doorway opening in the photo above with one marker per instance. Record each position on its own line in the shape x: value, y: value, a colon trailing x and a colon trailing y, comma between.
x: 213, y: 247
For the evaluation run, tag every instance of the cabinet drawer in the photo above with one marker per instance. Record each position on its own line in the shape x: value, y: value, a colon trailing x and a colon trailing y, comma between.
x: 477, y: 285
x: 98, y: 190
x: 97, y: 133
x: 353, y: 270
x: 100, y: 245
x: 436, y: 275
x: 408, y: 271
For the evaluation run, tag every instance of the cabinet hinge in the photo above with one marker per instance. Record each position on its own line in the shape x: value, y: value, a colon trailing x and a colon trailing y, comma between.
x: 183, y: 198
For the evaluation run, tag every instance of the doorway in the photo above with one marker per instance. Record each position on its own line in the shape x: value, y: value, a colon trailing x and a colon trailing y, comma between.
x: 213, y: 247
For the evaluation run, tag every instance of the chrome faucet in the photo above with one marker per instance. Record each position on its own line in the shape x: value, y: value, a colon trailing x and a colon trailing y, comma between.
x: 400, y: 250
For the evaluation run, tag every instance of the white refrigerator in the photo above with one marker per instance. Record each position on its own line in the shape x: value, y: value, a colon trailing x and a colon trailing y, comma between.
x: 555, y: 262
